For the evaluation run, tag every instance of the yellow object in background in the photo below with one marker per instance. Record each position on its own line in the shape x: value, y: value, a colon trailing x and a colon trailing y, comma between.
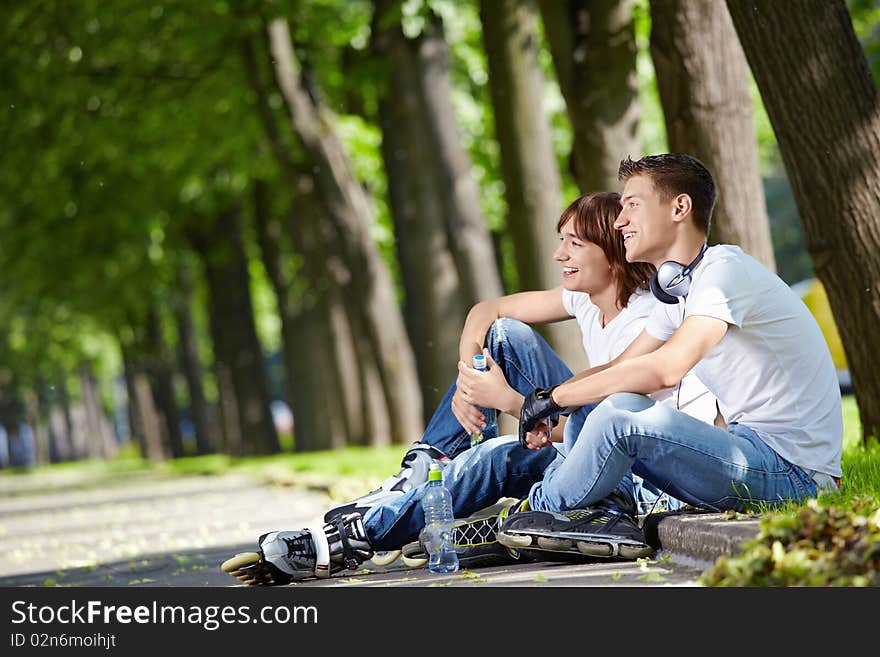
x: 814, y: 296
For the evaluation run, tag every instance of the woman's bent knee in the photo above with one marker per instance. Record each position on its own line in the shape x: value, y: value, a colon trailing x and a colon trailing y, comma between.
x: 505, y: 329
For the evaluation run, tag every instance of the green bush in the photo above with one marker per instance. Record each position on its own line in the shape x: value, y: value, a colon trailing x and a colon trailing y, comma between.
x: 818, y: 545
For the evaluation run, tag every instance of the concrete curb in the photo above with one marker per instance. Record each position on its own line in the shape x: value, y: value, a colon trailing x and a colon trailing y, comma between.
x: 699, y: 538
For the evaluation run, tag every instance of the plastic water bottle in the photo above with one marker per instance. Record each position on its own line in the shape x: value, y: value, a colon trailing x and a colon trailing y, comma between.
x: 488, y: 413
x: 437, y: 504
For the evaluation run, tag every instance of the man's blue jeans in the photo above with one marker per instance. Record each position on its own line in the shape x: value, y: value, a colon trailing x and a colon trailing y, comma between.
x: 696, y: 462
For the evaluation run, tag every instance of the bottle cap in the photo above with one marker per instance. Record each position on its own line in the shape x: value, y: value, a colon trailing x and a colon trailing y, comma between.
x: 479, y: 362
x: 434, y: 473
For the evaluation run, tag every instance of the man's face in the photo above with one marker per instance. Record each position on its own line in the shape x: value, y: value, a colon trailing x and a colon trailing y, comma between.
x: 584, y: 265
x: 645, y: 221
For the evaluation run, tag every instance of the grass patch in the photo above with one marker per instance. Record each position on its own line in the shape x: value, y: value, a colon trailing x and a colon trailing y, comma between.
x: 860, y: 463
x: 355, y: 463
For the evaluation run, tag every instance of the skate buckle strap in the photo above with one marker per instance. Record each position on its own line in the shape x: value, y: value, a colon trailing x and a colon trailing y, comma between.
x: 348, y: 557
x: 322, y: 551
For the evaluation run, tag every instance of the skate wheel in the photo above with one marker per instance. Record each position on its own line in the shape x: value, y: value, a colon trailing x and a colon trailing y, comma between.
x: 385, y: 558
x: 634, y: 551
x: 554, y: 544
x: 514, y: 540
x: 239, y: 561
x: 594, y: 549
x: 414, y: 562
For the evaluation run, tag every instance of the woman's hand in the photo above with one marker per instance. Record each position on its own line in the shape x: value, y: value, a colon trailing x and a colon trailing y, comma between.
x: 467, y: 414
x: 488, y: 389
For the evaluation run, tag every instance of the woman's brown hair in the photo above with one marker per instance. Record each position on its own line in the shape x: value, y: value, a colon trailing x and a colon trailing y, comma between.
x: 592, y: 218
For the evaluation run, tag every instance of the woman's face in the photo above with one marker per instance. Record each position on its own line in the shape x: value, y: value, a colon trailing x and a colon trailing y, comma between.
x: 584, y: 265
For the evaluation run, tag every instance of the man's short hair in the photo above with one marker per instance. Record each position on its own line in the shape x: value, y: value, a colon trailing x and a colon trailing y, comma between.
x: 673, y: 174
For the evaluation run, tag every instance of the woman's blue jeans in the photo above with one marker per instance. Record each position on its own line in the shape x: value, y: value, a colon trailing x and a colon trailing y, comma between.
x: 497, y: 467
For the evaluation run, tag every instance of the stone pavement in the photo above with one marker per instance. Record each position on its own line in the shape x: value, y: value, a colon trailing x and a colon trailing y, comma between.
x: 149, y: 530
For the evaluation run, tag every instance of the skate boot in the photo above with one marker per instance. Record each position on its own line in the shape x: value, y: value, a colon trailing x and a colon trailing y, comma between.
x: 287, y: 556
x: 603, y: 530
x: 413, y: 471
x: 474, y: 539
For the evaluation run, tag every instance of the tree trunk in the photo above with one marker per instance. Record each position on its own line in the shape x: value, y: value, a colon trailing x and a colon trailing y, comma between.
x: 238, y: 357
x: 230, y: 423
x: 349, y: 368
x: 66, y: 430
x: 39, y: 424
x: 341, y: 373
x: 593, y: 44
x: 469, y: 239
x: 311, y: 371
x: 190, y: 364
x: 12, y: 417
x: 163, y: 386
x: 825, y: 111
x: 703, y: 80
x: 435, y: 305
x: 43, y: 410
x: 149, y: 417
x: 528, y: 162
x: 320, y: 252
x: 135, y: 420
x: 99, y: 441
x: 370, y: 291
x: 56, y: 453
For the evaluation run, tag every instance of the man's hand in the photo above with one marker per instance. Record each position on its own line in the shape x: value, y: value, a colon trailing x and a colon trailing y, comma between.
x: 539, y: 436
x: 538, y: 405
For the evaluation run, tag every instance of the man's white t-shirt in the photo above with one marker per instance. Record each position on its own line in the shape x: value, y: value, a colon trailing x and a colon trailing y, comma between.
x: 772, y: 370
x: 605, y: 343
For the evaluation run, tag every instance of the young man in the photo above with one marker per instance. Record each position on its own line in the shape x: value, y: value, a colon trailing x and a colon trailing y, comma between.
x: 609, y: 299
x: 749, y: 339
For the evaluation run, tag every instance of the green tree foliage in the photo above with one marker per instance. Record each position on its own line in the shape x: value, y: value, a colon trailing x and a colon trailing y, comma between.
x: 124, y: 124
x: 865, y: 16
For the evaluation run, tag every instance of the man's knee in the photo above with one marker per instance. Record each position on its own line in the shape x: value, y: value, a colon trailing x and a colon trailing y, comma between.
x: 627, y: 402
x: 615, y: 413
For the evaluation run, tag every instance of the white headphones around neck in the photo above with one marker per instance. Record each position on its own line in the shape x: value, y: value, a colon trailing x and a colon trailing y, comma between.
x: 672, y: 280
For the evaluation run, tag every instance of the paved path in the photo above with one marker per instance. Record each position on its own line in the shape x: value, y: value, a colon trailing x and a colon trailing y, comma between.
x: 147, y: 530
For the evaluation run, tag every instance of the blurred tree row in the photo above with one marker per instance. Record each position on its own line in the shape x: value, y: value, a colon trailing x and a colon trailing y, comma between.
x: 187, y: 188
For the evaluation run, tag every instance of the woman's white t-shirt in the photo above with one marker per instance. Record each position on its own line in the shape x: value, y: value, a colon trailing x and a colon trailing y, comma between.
x: 605, y: 343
